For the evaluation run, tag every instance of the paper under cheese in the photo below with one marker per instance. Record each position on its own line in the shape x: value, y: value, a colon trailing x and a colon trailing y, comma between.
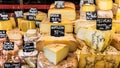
x: 66, y: 4
x: 46, y: 25
x: 104, y: 4
x: 66, y: 13
x: 56, y: 52
x: 105, y: 14
x: 46, y: 39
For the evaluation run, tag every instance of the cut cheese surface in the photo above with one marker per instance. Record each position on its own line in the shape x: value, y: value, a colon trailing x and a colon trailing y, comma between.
x: 31, y: 33
x: 46, y: 39
x: 105, y: 14
x: 45, y: 27
x: 98, y: 40
x: 56, y: 52
x: 66, y: 4
x: 104, y: 4
x: 66, y: 13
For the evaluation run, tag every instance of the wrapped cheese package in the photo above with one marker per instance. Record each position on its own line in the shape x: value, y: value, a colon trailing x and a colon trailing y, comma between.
x: 46, y: 39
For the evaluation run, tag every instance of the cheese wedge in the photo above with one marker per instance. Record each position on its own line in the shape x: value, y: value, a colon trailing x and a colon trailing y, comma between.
x: 105, y: 14
x: 66, y: 13
x: 104, y: 4
x: 66, y: 4
x: 56, y: 52
x: 46, y: 39
x: 45, y: 26
x: 98, y: 40
x: 25, y: 25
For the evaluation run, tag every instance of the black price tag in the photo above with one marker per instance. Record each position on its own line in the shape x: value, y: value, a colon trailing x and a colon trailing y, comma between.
x: 88, y: 2
x: 33, y: 10
x: 2, y: 33
x: 12, y: 65
x: 28, y: 47
x: 59, y: 4
x: 57, y: 31
x: 38, y: 23
x: 104, y: 24
x: 31, y: 17
x: 4, y: 16
x: 18, y: 14
x: 91, y: 15
x: 55, y: 17
x: 8, y: 46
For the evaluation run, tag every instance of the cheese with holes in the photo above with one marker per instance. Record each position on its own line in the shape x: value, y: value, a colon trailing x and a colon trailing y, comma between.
x: 86, y: 8
x: 118, y: 14
x: 105, y: 14
x: 56, y: 52
x: 104, y: 4
x: 45, y: 26
x: 66, y: 4
x: 46, y: 39
x: 66, y: 13
x: 97, y: 39
x: 24, y: 25
x: 6, y: 25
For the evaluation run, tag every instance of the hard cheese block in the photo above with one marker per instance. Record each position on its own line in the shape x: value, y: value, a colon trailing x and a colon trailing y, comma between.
x: 116, y: 41
x: 98, y: 40
x: 6, y: 25
x: 56, y: 52
x: 45, y: 26
x: 66, y: 13
x: 25, y: 25
x: 46, y: 39
x: 104, y: 4
x: 105, y: 14
x: 66, y: 4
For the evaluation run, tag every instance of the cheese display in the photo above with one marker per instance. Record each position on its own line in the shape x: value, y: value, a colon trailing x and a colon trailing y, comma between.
x: 46, y: 39
x: 56, y: 52
x: 70, y: 62
x: 104, y: 4
x: 66, y: 4
x: 116, y: 41
x: 45, y: 26
x: 105, y: 14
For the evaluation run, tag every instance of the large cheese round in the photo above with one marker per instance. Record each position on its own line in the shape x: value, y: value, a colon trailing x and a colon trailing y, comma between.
x: 105, y: 14
x: 88, y: 7
x: 104, y: 4
x: 97, y: 39
x: 66, y: 4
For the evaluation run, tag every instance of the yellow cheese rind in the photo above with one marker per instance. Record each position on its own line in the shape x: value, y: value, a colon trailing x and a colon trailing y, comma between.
x: 6, y: 25
x: 45, y: 27
x: 105, y: 4
x: 66, y: 4
x: 68, y: 39
x: 56, y: 52
x: 13, y: 22
x: 66, y: 13
x: 117, y: 14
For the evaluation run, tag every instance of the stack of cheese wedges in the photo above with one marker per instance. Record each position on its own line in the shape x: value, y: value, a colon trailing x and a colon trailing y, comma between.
x: 67, y: 13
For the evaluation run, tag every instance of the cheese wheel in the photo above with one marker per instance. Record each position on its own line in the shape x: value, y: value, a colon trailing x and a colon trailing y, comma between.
x: 5, y: 25
x: 105, y: 14
x: 88, y: 7
x: 104, y: 4
x: 66, y: 4
x: 66, y: 13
